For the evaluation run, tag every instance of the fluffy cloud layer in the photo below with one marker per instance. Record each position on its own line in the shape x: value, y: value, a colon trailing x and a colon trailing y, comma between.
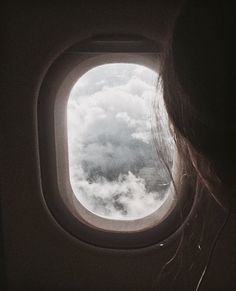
x: 114, y: 168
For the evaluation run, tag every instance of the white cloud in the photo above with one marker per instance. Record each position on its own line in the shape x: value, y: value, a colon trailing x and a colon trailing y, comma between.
x: 114, y: 169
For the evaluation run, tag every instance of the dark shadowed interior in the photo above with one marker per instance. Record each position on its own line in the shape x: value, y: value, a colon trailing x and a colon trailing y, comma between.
x: 39, y: 251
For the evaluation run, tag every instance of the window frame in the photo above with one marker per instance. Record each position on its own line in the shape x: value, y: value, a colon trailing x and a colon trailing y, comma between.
x: 53, y: 152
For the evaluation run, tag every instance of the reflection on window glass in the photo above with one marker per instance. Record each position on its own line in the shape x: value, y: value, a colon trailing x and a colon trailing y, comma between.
x: 115, y: 171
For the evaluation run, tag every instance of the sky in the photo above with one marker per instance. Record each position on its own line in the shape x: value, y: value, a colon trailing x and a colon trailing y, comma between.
x: 115, y: 170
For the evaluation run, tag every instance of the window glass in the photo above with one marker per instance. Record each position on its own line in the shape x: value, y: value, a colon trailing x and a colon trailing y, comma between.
x: 115, y: 167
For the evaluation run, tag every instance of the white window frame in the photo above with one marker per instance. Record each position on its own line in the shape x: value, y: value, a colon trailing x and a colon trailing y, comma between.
x: 53, y: 150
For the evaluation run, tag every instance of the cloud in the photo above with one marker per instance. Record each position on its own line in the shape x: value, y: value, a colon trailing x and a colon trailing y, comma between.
x: 114, y: 169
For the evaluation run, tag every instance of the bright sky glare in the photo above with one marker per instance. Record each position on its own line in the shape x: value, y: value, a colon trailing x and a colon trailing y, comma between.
x: 115, y: 171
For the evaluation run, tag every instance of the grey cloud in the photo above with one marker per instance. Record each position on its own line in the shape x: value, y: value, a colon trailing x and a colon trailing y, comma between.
x: 114, y: 169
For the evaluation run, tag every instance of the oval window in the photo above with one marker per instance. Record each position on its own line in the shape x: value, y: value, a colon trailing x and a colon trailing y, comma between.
x: 115, y: 169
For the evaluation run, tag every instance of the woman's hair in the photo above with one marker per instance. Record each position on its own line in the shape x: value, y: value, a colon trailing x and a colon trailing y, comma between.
x: 195, y: 75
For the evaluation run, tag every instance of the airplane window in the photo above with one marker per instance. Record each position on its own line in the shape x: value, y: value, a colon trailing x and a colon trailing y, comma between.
x: 106, y: 152
x: 115, y: 168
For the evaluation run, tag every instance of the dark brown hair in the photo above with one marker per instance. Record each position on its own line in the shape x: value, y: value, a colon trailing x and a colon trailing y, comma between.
x: 196, y: 76
x: 195, y: 79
